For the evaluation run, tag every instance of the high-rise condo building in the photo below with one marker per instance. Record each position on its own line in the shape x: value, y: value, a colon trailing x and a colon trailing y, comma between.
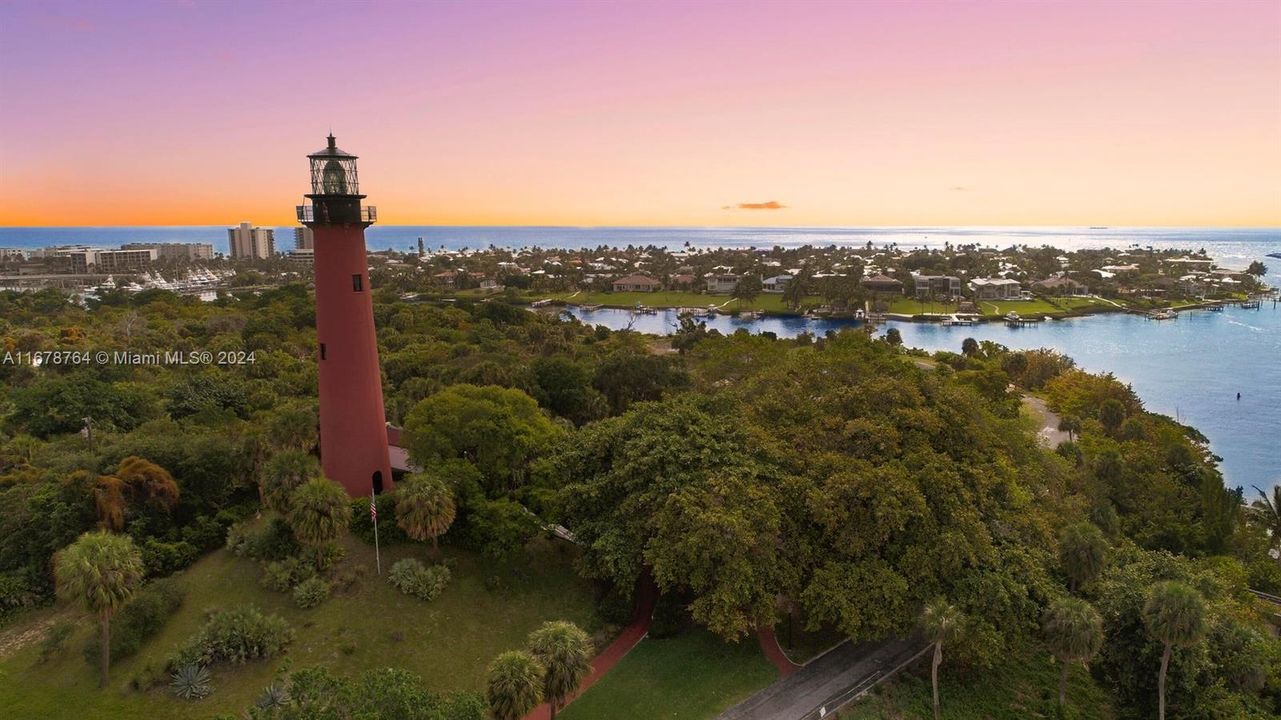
x: 249, y: 242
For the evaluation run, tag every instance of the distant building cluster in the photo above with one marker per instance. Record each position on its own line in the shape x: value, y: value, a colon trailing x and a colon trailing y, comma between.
x: 839, y: 276
x: 85, y: 260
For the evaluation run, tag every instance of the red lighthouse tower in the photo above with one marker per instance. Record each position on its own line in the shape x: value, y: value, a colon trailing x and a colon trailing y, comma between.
x: 353, y: 431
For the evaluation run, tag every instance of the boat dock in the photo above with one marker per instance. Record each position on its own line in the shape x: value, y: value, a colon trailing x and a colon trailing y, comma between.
x: 1015, y: 320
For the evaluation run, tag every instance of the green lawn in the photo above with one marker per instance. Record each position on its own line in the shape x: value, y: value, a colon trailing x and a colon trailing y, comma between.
x: 689, y: 677
x: 911, y: 306
x: 449, y: 642
x: 1024, y: 685
x: 670, y: 299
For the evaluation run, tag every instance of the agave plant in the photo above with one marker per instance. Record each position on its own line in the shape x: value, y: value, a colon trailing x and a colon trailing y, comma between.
x: 273, y: 696
x: 191, y: 682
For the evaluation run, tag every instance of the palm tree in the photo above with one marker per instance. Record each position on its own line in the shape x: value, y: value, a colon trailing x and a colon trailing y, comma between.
x: 1071, y: 425
x: 424, y: 508
x: 1074, y: 631
x: 1112, y: 413
x: 318, y: 513
x: 101, y: 570
x: 515, y: 685
x: 1082, y: 551
x: 1266, y: 513
x: 1175, y: 615
x: 565, y: 652
x: 941, y: 624
x: 283, y: 474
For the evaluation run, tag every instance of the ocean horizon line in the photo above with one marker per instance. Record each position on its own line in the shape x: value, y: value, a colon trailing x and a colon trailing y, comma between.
x: 679, y: 227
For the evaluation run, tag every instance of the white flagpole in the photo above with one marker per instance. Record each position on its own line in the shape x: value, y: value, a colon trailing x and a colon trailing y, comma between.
x: 373, y: 505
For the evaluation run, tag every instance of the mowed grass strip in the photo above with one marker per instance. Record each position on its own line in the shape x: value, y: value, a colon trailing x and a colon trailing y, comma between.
x: 693, y: 676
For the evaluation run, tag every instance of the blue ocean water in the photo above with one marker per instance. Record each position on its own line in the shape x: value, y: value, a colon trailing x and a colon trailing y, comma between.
x: 1232, y: 246
x: 1191, y: 368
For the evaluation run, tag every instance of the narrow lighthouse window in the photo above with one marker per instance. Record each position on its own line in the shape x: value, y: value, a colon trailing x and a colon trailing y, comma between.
x: 322, y: 351
x: 357, y: 284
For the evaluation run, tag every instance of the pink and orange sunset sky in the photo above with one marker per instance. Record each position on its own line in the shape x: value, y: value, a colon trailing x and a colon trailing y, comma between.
x: 646, y: 113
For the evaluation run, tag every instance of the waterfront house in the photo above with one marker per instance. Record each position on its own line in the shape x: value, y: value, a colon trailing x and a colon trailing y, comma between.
x: 775, y: 284
x: 1060, y: 287
x: 682, y: 281
x: 995, y: 288
x: 937, y: 285
x: 721, y: 283
x: 882, y: 283
x: 637, y: 283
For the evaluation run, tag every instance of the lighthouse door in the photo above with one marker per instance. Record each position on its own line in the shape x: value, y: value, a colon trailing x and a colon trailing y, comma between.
x: 378, y: 482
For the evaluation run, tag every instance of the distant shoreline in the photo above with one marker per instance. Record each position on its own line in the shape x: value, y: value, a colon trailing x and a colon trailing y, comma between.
x: 925, y: 317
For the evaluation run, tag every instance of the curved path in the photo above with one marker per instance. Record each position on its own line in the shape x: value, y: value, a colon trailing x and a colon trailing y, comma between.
x: 1048, y: 433
x: 774, y: 653
x: 646, y: 596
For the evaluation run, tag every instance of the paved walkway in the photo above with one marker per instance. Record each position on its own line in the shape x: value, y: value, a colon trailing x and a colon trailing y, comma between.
x: 646, y: 596
x: 774, y: 653
x: 828, y: 681
x: 1048, y: 432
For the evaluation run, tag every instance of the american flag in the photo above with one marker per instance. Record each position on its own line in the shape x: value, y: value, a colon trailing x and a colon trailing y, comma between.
x: 373, y: 508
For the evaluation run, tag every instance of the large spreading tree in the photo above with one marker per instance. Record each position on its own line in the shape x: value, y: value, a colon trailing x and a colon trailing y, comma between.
x: 499, y: 430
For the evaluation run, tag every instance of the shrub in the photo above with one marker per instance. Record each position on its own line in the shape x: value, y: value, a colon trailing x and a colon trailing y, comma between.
x: 162, y: 559
x: 140, y: 619
x: 282, y: 575
x: 311, y: 592
x: 273, y: 541
x: 240, y: 539
x: 273, y: 697
x: 346, y: 577
x: 147, y: 677
x: 412, y: 578
x: 389, y: 533
x: 236, y: 636
x: 329, y: 556
x: 495, y: 584
x: 191, y: 682
x: 205, y: 533
x: 15, y: 593
x: 55, y: 640
x: 381, y: 694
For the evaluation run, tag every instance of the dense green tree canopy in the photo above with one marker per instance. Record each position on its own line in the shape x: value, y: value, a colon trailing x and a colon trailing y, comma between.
x: 499, y: 430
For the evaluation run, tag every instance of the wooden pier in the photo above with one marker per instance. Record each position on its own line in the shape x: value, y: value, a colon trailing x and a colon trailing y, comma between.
x: 1016, y: 320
